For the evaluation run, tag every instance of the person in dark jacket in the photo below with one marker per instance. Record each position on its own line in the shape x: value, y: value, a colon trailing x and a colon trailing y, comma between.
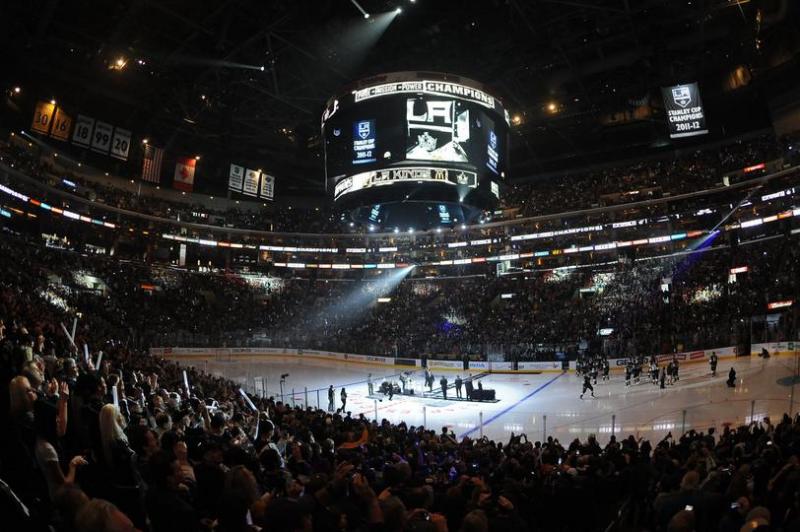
x: 167, y: 504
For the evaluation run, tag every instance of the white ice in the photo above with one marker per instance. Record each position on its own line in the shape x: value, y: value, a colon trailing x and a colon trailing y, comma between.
x: 542, y: 404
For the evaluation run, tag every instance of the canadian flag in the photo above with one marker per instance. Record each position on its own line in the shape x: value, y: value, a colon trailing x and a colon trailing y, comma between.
x: 184, y: 174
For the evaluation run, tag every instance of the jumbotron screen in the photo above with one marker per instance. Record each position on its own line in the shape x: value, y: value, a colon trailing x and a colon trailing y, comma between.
x: 415, y: 137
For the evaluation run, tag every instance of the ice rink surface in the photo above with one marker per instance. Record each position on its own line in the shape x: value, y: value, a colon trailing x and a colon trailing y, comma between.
x: 548, y: 402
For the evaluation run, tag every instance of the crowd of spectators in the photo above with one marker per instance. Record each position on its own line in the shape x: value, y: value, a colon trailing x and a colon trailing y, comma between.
x: 644, y: 307
x: 108, y: 438
x: 660, y: 177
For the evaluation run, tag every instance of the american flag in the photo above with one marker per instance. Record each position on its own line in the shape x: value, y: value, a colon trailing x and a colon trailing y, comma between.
x: 151, y: 166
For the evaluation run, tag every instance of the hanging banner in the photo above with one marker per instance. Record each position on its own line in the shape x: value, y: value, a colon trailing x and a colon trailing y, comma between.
x: 236, y: 178
x: 684, y: 108
x: 251, y: 182
x: 184, y: 174
x: 101, y: 138
x: 43, y: 116
x: 62, y: 123
x: 151, y: 163
x: 268, y: 186
x: 121, y: 144
x: 82, y: 136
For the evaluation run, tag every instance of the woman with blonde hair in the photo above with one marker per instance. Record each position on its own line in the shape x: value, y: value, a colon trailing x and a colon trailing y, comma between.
x: 112, y: 434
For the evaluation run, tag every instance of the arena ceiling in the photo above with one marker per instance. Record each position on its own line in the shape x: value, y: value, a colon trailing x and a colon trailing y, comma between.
x: 582, y: 76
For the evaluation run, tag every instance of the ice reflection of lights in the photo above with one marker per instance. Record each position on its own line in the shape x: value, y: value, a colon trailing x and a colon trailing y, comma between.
x: 663, y: 426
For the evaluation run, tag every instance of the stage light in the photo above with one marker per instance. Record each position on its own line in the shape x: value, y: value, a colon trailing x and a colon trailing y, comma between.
x: 361, y: 9
x: 371, y: 227
x: 196, y: 157
x: 552, y: 107
x: 52, y: 102
x: 118, y: 64
x: 463, y: 226
x: 516, y: 119
x: 17, y: 90
x: 262, y: 68
x: 410, y: 230
x: 145, y: 141
x: 398, y: 10
x: 396, y: 230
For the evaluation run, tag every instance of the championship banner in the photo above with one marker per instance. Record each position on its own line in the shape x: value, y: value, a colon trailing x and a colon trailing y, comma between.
x: 151, y: 163
x: 684, y: 108
x: 43, y: 116
x: 184, y: 174
x: 436, y: 88
x: 62, y: 123
x: 121, y: 144
x: 101, y: 139
x: 236, y: 178
x: 82, y: 136
x: 251, y: 182
x: 267, y: 187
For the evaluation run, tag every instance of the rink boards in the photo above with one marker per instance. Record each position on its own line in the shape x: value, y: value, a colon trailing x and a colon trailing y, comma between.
x: 253, y: 354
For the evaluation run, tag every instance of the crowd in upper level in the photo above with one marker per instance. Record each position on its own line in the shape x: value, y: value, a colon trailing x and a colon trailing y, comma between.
x: 623, y: 183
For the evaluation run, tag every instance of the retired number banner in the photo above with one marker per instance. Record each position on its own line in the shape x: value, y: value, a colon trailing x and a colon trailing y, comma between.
x: 42, y: 117
x: 62, y: 122
x: 82, y: 136
x: 121, y: 144
x: 101, y: 139
x: 684, y: 108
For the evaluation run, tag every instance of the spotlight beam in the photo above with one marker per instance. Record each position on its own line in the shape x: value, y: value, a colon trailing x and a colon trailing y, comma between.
x: 354, y: 304
x: 358, y: 6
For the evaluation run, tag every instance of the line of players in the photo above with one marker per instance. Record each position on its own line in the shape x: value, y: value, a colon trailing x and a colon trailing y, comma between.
x: 389, y: 387
x: 590, y: 366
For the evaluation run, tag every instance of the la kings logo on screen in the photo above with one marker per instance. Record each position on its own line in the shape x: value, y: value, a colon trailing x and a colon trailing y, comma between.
x: 364, y: 129
x: 681, y: 96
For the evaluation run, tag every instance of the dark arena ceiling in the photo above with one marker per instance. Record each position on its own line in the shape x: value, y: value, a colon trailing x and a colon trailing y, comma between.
x: 580, y: 78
